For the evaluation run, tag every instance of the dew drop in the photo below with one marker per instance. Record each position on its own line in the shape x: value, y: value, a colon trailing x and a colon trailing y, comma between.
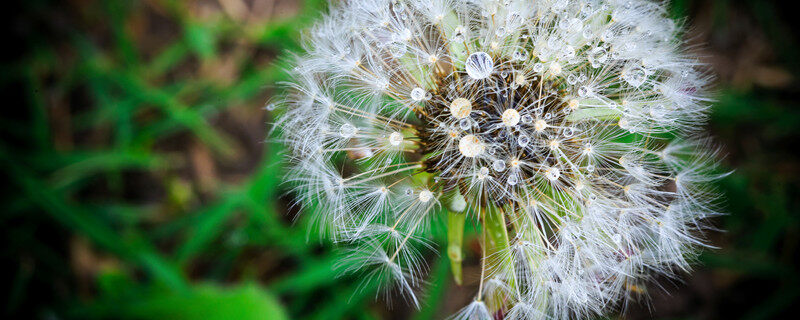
x: 523, y: 141
x: 584, y: 91
x: 555, y: 68
x: 347, y: 130
x: 617, y: 238
x: 572, y: 79
x: 520, y: 55
x: 479, y: 65
x: 526, y: 119
x: 499, y: 165
x: 465, y: 124
x: 538, y: 67
x: 597, y: 57
x: 459, y: 34
x: 397, y: 49
x: 512, y: 180
x: 425, y: 196
x: 607, y: 35
x: 587, y: 32
x: 417, y: 94
x: 635, y: 75
x: 396, y: 138
x: 658, y: 112
x: 552, y: 174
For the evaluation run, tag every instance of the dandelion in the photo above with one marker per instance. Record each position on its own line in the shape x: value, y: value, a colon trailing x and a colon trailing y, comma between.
x: 565, y: 132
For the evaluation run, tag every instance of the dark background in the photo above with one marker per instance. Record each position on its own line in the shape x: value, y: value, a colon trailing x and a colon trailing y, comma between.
x: 137, y: 182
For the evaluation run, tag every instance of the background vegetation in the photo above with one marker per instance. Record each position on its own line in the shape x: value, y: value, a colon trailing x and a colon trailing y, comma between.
x: 137, y: 181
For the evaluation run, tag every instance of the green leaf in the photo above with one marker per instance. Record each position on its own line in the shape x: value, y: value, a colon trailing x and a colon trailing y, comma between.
x: 204, y: 301
x: 209, y: 302
x: 201, y: 40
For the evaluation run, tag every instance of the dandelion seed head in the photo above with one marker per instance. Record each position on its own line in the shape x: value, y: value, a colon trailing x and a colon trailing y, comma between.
x: 577, y: 122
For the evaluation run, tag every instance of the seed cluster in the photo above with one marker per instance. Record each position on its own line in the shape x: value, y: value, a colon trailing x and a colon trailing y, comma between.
x: 502, y: 124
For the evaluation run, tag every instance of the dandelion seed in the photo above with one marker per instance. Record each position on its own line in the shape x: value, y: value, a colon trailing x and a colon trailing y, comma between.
x: 510, y: 117
x: 460, y: 108
x: 470, y: 146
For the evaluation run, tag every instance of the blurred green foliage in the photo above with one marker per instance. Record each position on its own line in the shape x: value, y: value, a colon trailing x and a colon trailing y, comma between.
x: 138, y: 183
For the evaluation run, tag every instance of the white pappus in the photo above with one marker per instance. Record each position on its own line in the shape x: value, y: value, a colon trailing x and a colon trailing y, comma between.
x: 566, y: 131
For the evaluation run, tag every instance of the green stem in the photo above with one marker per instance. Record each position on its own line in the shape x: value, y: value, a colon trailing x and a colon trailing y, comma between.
x: 455, y: 239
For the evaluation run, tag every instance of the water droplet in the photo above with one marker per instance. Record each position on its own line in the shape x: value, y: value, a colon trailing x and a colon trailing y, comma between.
x: 479, y: 65
x: 538, y: 67
x: 465, y: 124
x: 512, y: 180
x: 347, y: 130
x: 425, y: 196
x: 520, y: 55
x: 658, y: 112
x: 459, y: 33
x: 634, y: 74
x: 597, y: 57
x: 590, y: 168
x: 499, y: 165
x: 555, y: 68
x: 418, y: 94
x: 584, y: 91
x: 396, y: 138
x: 527, y: 119
x: 617, y: 238
x: 552, y: 174
x: 607, y: 35
x: 624, y: 123
x: 523, y: 140
x: 575, y: 25
x: 572, y: 79
x: 587, y: 32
